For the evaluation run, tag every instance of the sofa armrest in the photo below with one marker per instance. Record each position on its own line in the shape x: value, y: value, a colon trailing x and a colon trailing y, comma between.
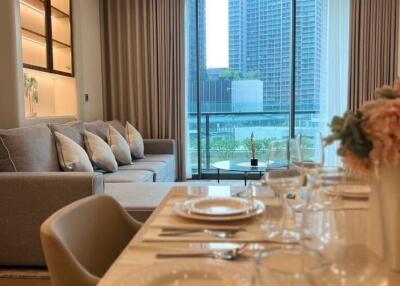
x: 159, y: 146
x: 29, y: 198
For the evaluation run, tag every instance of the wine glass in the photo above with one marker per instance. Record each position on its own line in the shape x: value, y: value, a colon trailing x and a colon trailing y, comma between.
x: 283, y: 182
x: 319, y: 177
x: 277, y: 155
x: 291, y: 266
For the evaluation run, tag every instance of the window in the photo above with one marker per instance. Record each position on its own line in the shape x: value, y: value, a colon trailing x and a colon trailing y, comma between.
x: 244, y: 56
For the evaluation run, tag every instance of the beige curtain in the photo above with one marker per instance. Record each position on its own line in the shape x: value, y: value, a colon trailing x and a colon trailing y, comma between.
x: 143, y: 67
x: 374, y: 48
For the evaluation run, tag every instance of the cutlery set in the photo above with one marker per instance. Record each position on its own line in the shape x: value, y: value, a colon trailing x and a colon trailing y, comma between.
x: 220, y: 233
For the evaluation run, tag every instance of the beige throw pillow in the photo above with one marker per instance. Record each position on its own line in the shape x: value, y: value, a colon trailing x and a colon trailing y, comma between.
x: 100, y: 153
x: 71, y: 156
x: 119, y: 146
x: 135, y: 141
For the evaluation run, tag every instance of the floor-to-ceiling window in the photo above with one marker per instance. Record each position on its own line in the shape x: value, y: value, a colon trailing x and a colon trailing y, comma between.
x: 261, y: 66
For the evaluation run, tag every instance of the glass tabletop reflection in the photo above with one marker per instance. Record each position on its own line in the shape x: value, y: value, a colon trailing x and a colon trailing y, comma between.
x: 240, y: 166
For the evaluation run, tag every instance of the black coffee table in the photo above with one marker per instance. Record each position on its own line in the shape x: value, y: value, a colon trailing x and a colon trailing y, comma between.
x: 241, y: 167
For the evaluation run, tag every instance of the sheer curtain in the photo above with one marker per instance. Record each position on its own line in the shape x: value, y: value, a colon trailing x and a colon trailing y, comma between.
x: 336, y: 69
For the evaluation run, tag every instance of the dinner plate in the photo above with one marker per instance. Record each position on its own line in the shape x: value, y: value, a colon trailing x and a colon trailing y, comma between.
x: 350, y: 191
x: 218, y: 206
x: 187, y: 273
x: 180, y: 209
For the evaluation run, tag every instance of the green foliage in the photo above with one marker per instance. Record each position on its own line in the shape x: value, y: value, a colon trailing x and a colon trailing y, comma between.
x: 225, y: 149
x: 349, y: 132
x: 237, y: 75
x: 230, y: 74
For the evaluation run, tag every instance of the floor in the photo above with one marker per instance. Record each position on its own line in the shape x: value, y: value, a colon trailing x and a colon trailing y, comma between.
x: 46, y: 282
x: 24, y: 282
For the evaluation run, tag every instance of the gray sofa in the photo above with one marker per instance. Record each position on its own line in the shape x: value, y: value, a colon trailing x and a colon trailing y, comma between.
x: 32, y: 185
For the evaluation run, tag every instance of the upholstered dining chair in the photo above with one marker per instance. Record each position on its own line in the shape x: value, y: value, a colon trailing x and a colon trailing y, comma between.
x: 83, y: 239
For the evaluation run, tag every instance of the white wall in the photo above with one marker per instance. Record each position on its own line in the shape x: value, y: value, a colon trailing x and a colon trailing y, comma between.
x: 87, y: 45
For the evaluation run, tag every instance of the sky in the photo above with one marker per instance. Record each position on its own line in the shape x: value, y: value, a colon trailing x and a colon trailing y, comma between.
x: 217, y: 33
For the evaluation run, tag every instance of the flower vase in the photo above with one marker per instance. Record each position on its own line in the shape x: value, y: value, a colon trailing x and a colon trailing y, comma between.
x: 389, y: 198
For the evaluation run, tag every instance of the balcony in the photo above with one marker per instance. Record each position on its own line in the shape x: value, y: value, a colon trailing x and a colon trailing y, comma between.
x: 225, y: 135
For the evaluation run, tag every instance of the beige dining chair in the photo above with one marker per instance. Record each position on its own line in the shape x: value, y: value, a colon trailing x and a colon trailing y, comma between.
x: 83, y: 239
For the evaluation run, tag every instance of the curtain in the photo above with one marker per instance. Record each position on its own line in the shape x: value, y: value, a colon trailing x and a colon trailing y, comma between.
x: 143, y: 67
x: 334, y: 101
x: 373, y: 48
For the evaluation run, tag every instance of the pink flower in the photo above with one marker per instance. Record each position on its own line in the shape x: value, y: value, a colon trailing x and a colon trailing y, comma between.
x: 382, y: 127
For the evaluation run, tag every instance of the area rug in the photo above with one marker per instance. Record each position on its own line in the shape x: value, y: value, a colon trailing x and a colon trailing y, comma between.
x: 24, y: 273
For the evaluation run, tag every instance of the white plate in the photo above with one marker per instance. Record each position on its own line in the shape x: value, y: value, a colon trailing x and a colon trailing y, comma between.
x: 350, y: 191
x: 180, y: 209
x: 187, y: 273
x: 218, y: 206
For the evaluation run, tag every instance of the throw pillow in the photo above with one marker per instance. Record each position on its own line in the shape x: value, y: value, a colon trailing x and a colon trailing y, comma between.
x: 135, y: 141
x: 100, y: 153
x: 73, y: 130
x: 71, y: 156
x: 98, y: 127
x: 119, y: 146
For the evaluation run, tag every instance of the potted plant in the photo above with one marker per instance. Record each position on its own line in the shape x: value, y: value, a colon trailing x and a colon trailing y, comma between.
x: 253, y: 160
x: 31, y: 93
x: 370, y: 146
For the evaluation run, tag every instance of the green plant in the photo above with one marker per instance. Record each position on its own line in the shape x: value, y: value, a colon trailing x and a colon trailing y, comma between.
x: 31, y: 91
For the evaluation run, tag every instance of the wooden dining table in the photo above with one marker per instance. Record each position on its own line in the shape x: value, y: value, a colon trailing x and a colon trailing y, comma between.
x: 348, y: 238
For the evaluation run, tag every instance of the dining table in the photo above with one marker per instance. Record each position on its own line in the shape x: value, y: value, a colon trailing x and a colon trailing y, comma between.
x: 349, y: 238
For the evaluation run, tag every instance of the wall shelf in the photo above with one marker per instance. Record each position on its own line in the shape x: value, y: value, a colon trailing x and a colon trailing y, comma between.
x: 33, y: 36
x: 45, y: 22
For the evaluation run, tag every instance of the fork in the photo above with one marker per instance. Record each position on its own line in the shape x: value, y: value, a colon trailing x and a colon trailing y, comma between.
x: 228, y: 254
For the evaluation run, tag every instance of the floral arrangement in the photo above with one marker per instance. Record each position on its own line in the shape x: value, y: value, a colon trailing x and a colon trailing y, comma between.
x: 371, y: 136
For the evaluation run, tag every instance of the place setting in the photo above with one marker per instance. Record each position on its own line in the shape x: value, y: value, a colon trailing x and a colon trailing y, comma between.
x: 210, y: 218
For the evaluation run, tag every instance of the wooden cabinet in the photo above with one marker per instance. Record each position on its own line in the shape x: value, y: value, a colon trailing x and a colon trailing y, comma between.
x: 46, y: 29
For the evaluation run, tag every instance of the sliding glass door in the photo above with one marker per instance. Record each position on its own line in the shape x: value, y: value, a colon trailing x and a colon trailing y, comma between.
x: 254, y: 66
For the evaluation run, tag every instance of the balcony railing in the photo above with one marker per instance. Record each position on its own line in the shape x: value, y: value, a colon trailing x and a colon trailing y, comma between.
x: 225, y: 135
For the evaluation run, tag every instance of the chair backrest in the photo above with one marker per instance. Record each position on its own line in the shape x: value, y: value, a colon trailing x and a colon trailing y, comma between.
x: 83, y: 239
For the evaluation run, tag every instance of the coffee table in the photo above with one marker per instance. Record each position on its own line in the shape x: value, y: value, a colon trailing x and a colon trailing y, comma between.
x: 241, y: 167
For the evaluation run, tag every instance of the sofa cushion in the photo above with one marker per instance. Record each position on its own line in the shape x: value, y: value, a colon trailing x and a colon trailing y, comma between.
x: 129, y: 176
x: 119, y: 146
x: 74, y: 130
x: 28, y: 149
x: 135, y: 141
x: 170, y: 167
x: 100, y: 153
x: 72, y: 157
x: 159, y: 169
x: 117, y: 125
x: 98, y: 127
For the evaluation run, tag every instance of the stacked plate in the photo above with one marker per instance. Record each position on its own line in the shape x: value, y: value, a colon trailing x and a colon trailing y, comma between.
x: 219, y: 209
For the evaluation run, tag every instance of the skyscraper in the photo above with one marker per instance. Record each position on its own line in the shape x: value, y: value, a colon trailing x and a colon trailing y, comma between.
x: 260, y: 40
